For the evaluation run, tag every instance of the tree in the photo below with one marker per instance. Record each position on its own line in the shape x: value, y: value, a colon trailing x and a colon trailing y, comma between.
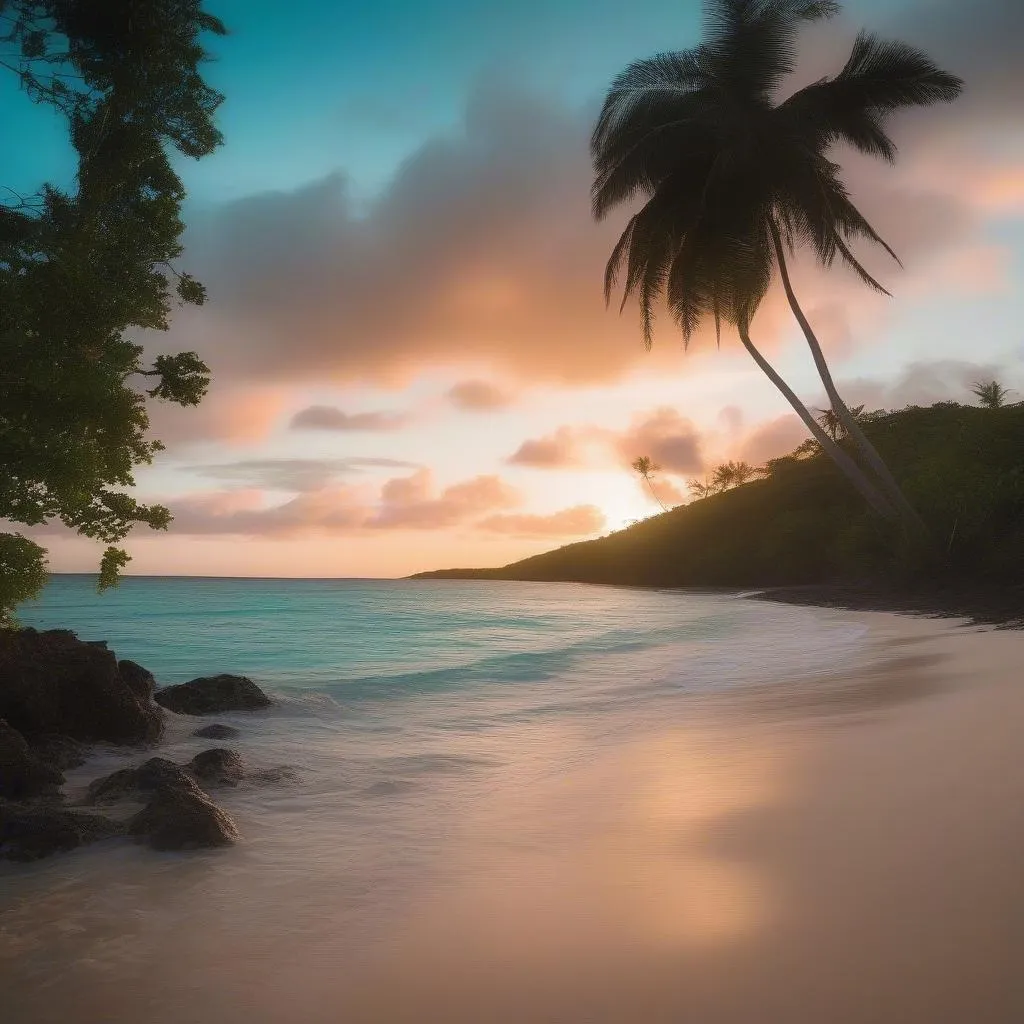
x: 646, y: 467
x: 734, y: 181
x: 991, y: 393
x: 83, y: 270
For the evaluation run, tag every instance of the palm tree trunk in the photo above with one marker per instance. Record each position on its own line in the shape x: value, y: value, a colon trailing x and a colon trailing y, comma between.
x: 850, y: 469
x: 891, y: 488
x: 654, y: 493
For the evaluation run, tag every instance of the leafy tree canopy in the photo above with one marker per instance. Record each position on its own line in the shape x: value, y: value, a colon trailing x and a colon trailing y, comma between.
x: 83, y: 270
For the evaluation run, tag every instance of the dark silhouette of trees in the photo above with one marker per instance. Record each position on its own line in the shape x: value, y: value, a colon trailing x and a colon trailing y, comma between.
x: 83, y: 270
x: 734, y: 181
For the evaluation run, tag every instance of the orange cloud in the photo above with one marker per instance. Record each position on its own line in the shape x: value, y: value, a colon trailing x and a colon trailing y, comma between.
x: 578, y: 521
x: 478, y: 396
x: 481, y: 251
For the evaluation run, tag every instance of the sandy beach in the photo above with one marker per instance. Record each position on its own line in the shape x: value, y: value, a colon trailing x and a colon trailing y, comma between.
x: 845, y: 848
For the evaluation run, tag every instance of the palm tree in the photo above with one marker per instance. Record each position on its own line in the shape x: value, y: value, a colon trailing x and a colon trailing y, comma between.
x: 645, y: 466
x: 833, y: 424
x: 733, y: 181
x: 991, y: 393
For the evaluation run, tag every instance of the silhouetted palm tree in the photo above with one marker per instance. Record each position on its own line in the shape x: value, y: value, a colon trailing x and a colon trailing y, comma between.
x: 734, y: 181
x: 645, y: 466
x: 991, y: 393
x: 833, y: 424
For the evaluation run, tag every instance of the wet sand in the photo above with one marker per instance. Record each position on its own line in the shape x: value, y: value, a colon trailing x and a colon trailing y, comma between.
x: 843, y: 850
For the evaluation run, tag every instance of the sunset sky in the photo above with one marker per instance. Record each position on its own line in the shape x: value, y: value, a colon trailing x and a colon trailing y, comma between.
x: 414, y: 367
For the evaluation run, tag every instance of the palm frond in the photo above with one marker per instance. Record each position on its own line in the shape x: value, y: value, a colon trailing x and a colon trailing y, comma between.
x: 878, y: 78
x: 753, y: 42
x: 663, y: 79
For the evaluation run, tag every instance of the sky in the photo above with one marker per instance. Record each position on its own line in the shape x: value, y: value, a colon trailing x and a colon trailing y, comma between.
x: 413, y: 364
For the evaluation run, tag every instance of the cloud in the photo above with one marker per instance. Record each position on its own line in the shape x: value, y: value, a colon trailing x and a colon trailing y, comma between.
x: 487, y: 239
x: 294, y: 475
x: 408, y: 502
x: 578, y: 521
x: 478, y: 396
x: 561, y: 450
x: 671, y: 440
x: 327, y: 510
x: 329, y: 417
x: 239, y: 414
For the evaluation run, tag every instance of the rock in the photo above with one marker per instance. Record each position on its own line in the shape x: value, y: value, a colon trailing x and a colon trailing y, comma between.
x: 212, y: 694
x: 152, y: 775
x: 138, y: 679
x: 22, y: 774
x: 218, y: 766
x: 51, y: 682
x: 178, y: 818
x: 272, y: 776
x: 216, y: 731
x: 61, y: 752
x: 28, y: 833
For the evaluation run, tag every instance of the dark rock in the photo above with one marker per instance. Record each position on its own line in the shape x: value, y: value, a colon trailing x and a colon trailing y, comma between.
x: 216, y: 731
x: 138, y: 679
x: 52, y: 682
x: 178, y: 818
x: 28, y: 833
x: 22, y: 774
x: 60, y: 752
x: 218, y: 766
x: 152, y: 775
x: 212, y: 694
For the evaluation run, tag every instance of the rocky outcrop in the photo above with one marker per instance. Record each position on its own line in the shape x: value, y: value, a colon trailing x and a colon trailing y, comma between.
x: 31, y: 832
x: 22, y: 774
x: 211, y: 695
x: 150, y: 776
x: 53, y: 683
x: 217, y: 767
x: 216, y: 731
x: 183, y: 818
x: 61, y: 752
x: 138, y: 679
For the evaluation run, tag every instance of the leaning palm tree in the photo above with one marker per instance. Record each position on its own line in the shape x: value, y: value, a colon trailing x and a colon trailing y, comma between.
x: 646, y: 467
x: 990, y: 393
x: 734, y: 181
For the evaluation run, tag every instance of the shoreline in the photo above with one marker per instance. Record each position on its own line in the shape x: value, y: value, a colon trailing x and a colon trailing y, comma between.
x: 1002, y: 608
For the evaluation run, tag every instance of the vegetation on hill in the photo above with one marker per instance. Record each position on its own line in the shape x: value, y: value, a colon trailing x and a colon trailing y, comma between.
x: 800, y: 522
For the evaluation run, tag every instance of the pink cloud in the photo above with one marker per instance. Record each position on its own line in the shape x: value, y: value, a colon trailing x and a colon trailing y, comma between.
x: 561, y: 450
x: 409, y: 502
x: 669, y: 438
x: 329, y: 417
x: 578, y: 521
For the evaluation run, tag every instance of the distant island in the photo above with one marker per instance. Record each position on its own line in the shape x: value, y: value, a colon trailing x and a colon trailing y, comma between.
x: 801, y: 530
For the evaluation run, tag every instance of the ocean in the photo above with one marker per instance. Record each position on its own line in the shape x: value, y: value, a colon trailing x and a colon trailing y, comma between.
x: 432, y: 733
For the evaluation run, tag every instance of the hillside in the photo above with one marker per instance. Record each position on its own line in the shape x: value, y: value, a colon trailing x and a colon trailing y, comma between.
x: 802, y: 523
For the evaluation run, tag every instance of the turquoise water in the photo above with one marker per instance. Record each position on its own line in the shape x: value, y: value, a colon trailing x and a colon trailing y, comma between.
x: 435, y: 736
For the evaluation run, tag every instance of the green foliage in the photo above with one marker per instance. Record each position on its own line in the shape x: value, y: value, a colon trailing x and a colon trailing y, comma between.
x: 990, y: 393
x: 22, y: 573
x: 82, y: 272
x: 963, y: 466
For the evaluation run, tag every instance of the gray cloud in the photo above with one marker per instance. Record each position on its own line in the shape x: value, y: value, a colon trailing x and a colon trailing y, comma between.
x: 329, y: 417
x: 294, y: 475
